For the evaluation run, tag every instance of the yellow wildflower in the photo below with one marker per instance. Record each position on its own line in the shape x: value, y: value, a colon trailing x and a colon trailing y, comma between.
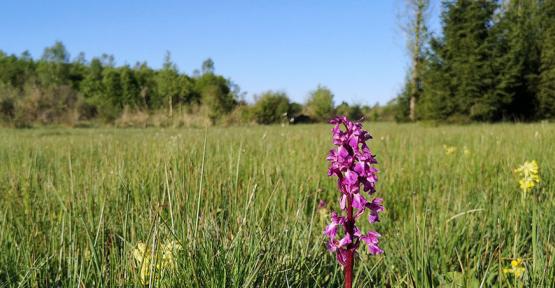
x: 466, y: 151
x: 168, y: 251
x: 449, y: 149
x: 528, y: 168
x: 517, y: 268
x: 164, y: 261
x: 529, y: 175
x: 142, y: 256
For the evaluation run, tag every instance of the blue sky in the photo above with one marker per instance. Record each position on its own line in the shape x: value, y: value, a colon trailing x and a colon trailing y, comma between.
x: 356, y: 48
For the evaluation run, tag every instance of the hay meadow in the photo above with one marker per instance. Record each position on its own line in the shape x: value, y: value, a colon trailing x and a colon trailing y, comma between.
x: 241, y: 206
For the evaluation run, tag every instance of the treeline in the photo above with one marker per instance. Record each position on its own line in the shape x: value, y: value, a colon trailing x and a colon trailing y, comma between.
x: 58, y: 90
x: 494, y: 61
x: 54, y: 89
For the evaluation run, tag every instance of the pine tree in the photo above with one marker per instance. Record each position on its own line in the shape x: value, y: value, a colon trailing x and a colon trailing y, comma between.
x: 546, y: 93
x: 517, y: 60
x: 437, y: 102
x: 460, y: 77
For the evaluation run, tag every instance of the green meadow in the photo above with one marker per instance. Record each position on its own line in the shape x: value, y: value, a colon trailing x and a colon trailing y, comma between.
x: 241, y: 205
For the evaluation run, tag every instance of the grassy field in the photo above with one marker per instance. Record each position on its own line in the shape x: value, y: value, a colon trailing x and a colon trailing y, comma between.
x: 242, y: 204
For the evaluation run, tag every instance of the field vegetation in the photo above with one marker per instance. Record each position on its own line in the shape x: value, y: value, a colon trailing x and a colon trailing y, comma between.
x: 240, y: 207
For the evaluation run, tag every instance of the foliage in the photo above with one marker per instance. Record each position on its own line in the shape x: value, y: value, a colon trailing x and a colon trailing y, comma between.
x: 353, y: 112
x: 492, y: 62
x: 271, y: 107
x: 320, y: 104
x: 215, y: 95
x: 104, y: 90
x: 546, y: 93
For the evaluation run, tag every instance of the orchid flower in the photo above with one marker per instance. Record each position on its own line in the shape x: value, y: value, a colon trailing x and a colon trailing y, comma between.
x: 352, y: 162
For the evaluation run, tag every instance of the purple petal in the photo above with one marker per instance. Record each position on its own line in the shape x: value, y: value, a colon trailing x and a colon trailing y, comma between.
x: 337, y: 219
x: 342, y: 152
x: 343, y: 202
x: 341, y: 256
x: 375, y: 205
x: 374, y: 249
x: 332, y: 245
x: 353, y: 142
x: 356, y: 232
x: 331, y: 230
x: 351, y: 177
x: 373, y: 217
x: 359, y: 202
x: 346, y: 240
x: 360, y: 168
x: 371, y: 240
x: 339, y: 120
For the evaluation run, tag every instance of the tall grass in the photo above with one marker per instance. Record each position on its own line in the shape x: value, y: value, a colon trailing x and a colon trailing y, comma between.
x: 242, y: 202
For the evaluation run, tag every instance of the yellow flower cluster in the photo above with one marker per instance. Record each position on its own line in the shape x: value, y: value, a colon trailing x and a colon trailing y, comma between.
x: 466, y: 151
x: 163, y: 261
x: 528, y: 173
x: 517, y: 268
x: 449, y: 149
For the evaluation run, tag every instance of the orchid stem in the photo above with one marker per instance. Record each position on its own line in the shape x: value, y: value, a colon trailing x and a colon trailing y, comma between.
x: 350, y: 254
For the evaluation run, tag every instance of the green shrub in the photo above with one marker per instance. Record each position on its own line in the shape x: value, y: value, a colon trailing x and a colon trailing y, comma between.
x: 320, y: 104
x: 271, y: 107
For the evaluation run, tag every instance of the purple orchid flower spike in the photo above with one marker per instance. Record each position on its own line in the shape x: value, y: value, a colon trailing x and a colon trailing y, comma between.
x: 352, y: 162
